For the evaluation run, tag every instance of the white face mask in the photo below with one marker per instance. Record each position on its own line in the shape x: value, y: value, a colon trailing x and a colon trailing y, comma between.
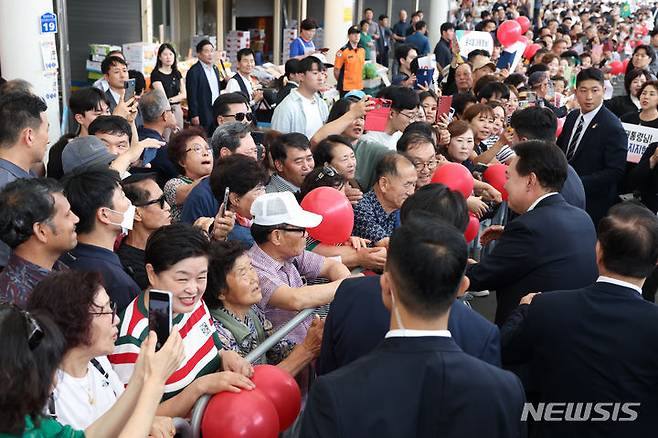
x: 128, y: 219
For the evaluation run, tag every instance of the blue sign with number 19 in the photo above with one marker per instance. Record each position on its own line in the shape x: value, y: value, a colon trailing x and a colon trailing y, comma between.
x: 48, y: 23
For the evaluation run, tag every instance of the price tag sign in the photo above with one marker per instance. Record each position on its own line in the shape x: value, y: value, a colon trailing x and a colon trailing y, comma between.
x: 48, y: 23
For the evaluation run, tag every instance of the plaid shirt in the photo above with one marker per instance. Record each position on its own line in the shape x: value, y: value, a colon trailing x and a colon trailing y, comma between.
x: 273, y: 274
x: 278, y: 184
x: 20, y: 277
x: 371, y: 221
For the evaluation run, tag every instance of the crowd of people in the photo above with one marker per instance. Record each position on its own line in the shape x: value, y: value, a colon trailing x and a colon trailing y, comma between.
x: 185, y: 188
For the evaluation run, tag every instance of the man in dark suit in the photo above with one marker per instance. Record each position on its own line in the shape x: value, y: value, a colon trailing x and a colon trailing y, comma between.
x: 598, y: 343
x: 595, y: 144
x: 418, y: 382
x: 549, y: 246
x: 537, y: 123
x: 202, y: 84
x: 357, y: 321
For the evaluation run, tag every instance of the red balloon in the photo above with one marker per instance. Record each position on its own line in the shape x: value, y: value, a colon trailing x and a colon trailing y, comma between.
x: 472, y: 228
x: 246, y: 414
x: 508, y: 33
x: 337, y: 215
x: 560, y: 125
x: 497, y: 177
x: 530, y: 50
x: 456, y: 177
x: 524, y: 22
x: 282, y: 390
x: 625, y: 63
x: 616, y: 67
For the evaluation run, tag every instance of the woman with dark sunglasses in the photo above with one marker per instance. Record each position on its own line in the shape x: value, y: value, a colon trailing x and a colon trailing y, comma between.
x: 86, y: 385
x: 31, y: 350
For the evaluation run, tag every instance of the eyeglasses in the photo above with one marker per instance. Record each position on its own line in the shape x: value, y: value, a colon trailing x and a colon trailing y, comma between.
x: 420, y: 165
x: 326, y: 171
x: 293, y: 229
x: 409, y: 116
x: 199, y: 148
x: 161, y: 200
x: 113, y: 310
x: 35, y: 334
x: 241, y: 116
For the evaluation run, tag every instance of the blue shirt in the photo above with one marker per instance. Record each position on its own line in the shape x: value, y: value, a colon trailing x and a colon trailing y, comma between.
x: 400, y: 28
x: 242, y: 234
x: 9, y: 172
x: 200, y: 203
x: 420, y: 42
x: 121, y: 288
x: 158, y: 158
x: 299, y: 47
x: 371, y: 220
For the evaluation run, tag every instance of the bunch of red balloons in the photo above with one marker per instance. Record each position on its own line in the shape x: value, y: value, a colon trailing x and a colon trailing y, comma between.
x: 511, y: 31
x: 496, y: 175
x: 263, y: 412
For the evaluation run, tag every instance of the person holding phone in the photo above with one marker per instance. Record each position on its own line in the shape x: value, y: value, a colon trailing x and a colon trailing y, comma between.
x: 177, y: 262
x: 32, y: 341
x: 87, y: 387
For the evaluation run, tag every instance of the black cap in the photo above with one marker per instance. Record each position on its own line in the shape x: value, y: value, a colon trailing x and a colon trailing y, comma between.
x: 353, y: 29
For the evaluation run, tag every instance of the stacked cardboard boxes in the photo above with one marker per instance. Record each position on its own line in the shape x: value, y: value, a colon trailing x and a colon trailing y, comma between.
x: 234, y: 41
x: 141, y: 56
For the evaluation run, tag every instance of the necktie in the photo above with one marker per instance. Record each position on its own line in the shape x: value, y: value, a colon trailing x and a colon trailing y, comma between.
x: 573, y: 144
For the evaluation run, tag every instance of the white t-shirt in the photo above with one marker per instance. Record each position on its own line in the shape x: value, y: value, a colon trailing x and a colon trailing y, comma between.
x: 390, y: 141
x: 81, y: 401
x: 313, y: 117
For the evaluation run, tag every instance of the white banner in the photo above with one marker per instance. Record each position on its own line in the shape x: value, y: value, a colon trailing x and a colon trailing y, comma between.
x: 639, y: 138
x: 470, y: 40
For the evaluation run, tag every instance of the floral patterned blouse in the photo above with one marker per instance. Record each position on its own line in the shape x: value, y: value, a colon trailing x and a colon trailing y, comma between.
x: 275, y: 355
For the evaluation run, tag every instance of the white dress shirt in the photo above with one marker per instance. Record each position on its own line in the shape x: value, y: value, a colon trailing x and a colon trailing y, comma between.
x: 604, y: 279
x: 538, y: 200
x: 408, y: 333
x: 212, y: 80
x: 587, y: 119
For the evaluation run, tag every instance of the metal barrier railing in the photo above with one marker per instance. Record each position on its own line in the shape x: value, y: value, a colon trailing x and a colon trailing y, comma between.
x: 200, y: 405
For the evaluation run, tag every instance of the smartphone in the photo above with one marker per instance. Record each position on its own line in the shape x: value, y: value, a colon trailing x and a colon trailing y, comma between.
x: 160, y: 315
x: 377, y: 118
x: 424, y: 77
x: 129, y: 86
x: 444, y: 107
x: 222, y: 208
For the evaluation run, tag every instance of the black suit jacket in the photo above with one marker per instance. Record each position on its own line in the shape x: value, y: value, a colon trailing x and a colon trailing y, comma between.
x: 415, y: 387
x: 548, y: 248
x: 358, y: 321
x: 596, y: 344
x: 600, y: 159
x: 199, y: 96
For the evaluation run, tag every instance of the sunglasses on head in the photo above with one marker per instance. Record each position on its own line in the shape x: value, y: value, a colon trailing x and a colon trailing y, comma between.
x: 326, y: 171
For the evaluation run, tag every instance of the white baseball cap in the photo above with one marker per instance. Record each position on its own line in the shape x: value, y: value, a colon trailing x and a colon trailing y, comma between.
x: 282, y: 208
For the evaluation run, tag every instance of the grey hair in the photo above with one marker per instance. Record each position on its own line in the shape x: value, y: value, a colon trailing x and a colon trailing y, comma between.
x: 228, y: 136
x: 16, y: 86
x: 153, y: 104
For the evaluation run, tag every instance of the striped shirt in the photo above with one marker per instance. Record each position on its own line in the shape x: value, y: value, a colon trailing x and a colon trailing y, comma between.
x: 200, y: 341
